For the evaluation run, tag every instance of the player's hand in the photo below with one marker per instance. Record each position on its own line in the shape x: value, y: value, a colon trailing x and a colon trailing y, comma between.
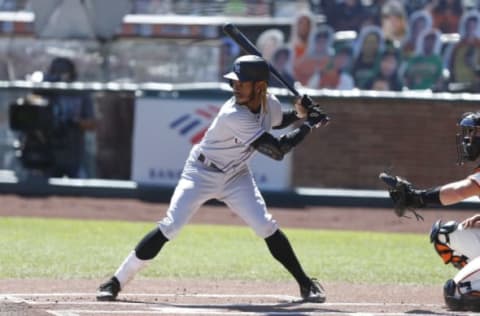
x: 307, y: 102
x: 471, y: 222
x: 302, y: 111
x: 316, y: 117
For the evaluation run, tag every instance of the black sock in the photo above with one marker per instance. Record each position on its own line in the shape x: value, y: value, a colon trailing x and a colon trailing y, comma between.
x: 281, y: 250
x: 150, y: 245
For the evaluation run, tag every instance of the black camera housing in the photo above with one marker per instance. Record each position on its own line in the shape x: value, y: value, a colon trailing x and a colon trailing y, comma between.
x: 27, y: 117
x: 33, y: 118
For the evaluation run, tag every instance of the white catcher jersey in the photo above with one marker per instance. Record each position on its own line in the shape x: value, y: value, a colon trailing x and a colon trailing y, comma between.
x: 466, y: 242
x: 475, y: 177
x: 227, y: 141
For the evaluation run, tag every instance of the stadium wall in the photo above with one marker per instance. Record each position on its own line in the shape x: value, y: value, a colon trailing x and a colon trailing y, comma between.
x: 413, y: 136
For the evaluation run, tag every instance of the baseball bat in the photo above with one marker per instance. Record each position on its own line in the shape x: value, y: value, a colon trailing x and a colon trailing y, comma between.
x: 234, y: 33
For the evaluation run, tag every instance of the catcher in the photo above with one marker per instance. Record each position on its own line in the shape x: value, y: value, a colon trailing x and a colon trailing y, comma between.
x: 456, y: 243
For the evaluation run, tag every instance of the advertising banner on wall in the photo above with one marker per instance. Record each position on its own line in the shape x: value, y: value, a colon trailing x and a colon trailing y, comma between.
x: 165, y: 130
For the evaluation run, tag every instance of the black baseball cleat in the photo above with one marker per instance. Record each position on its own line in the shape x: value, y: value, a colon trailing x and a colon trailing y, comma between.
x: 313, y: 293
x: 108, y: 291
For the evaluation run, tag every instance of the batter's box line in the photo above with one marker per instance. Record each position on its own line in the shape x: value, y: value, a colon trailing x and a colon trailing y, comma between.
x: 182, y: 311
x: 13, y: 298
x: 149, y: 304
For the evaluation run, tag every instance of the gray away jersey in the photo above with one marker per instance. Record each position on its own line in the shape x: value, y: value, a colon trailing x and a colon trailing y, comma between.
x: 227, y: 141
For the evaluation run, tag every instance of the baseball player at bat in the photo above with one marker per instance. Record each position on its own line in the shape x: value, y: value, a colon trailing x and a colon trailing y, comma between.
x: 217, y: 168
x: 457, y: 244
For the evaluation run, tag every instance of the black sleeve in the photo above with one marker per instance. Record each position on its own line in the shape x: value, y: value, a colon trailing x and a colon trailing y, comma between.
x: 275, y: 148
x: 288, y: 118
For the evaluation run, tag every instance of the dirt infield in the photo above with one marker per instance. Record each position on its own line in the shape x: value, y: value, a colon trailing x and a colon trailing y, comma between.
x: 201, y: 297
x: 225, y: 297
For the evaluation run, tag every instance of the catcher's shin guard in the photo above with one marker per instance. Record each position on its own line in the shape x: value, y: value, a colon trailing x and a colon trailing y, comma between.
x: 469, y: 301
x: 452, y: 299
x: 463, y: 292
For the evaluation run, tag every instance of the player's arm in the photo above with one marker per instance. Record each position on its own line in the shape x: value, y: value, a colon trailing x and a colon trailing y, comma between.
x: 291, y: 116
x: 472, y: 222
x: 451, y: 193
x: 288, y: 117
x: 407, y: 198
x: 455, y: 192
x: 276, y: 148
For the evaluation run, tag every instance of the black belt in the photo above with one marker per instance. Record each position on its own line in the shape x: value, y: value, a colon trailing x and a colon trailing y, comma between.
x: 202, y: 159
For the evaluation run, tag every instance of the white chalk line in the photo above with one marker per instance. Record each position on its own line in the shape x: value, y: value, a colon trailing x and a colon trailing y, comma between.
x: 155, y: 308
x: 178, y: 311
x: 14, y: 299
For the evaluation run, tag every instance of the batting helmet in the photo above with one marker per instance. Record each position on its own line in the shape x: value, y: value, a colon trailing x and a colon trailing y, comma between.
x: 468, y: 141
x: 249, y: 68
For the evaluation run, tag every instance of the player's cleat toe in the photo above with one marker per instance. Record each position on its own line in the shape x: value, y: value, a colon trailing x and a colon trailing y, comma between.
x: 313, y: 293
x: 108, y: 291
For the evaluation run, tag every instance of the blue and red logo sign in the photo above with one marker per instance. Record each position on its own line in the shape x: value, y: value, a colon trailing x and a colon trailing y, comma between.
x: 194, y: 125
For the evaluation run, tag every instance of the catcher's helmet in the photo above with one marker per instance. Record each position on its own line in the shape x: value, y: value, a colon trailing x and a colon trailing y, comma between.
x: 249, y: 68
x: 468, y: 142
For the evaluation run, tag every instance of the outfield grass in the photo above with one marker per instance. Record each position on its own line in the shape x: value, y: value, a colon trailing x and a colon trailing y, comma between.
x: 62, y: 249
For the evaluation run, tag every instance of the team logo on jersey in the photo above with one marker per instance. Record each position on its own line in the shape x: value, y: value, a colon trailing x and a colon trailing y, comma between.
x: 194, y: 125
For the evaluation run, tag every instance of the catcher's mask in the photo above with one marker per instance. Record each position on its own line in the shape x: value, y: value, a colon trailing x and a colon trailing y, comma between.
x: 249, y: 68
x: 468, y: 138
x: 439, y: 236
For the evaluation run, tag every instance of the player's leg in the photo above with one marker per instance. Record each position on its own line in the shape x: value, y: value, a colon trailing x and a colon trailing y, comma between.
x: 281, y: 249
x: 463, y: 292
x: 190, y: 193
x: 244, y: 198
x: 144, y: 252
x: 459, y: 247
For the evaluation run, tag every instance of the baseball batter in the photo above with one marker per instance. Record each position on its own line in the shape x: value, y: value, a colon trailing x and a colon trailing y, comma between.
x: 217, y: 168
x: 457, y: 244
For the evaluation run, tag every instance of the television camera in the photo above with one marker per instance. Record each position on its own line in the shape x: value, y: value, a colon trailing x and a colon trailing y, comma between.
x: 32, y: 117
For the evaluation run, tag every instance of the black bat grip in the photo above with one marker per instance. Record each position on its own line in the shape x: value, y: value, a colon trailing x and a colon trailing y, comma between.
x: 307, y: 102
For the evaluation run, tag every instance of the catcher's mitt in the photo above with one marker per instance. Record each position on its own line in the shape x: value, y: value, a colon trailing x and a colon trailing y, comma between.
x: 404, y: 196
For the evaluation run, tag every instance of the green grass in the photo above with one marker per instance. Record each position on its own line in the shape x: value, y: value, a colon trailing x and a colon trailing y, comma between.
x: 63, y: 249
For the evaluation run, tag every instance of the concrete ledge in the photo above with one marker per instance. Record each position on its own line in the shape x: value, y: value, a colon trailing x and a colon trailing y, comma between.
x: 297, y: 198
